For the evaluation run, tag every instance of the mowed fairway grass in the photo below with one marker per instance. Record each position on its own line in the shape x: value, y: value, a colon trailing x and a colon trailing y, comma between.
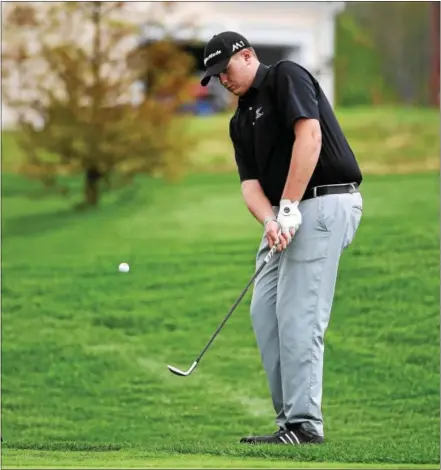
x: 85, y: 348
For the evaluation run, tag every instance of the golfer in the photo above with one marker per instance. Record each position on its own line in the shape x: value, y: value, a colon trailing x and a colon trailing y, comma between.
x: 300, y: 180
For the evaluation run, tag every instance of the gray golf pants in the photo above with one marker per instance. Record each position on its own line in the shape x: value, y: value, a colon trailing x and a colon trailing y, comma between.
x: 291, y: 306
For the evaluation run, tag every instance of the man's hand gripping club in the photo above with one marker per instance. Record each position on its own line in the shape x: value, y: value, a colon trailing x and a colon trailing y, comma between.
x: 285, y: 226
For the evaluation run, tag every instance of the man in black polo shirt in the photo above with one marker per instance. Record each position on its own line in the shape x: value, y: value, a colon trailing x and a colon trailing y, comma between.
x: 300, y: 179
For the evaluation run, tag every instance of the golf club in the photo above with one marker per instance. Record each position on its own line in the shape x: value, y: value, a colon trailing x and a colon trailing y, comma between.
x: 183, y: 373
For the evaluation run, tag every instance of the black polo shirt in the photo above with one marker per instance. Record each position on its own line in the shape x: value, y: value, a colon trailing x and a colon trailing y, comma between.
x: 262, y: 130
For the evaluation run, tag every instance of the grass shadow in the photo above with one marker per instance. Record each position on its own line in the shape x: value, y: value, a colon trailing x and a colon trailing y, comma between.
x: 35, y: 224
x: 63, y: 210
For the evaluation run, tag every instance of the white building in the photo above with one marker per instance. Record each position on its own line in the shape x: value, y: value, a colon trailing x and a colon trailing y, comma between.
x: 300, y: 31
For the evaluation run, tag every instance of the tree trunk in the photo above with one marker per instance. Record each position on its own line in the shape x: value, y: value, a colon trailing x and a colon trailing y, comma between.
x: 91, y: 189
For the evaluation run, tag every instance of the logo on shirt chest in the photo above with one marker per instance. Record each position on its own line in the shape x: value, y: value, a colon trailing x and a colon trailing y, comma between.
x: 259, y: 113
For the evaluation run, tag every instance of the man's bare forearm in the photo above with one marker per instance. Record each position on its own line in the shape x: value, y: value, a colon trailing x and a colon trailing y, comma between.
x: 256, y: 201
x: 305, y: 154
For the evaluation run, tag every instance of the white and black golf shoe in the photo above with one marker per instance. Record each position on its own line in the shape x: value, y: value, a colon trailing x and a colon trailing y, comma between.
x: 293, y: 436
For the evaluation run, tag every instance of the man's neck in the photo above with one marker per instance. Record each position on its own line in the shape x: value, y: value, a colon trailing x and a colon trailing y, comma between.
x: 255, y: 69
x: 253, y: 75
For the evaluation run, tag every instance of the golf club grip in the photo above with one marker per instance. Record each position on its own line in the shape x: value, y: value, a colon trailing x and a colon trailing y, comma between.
x: 236, y: 303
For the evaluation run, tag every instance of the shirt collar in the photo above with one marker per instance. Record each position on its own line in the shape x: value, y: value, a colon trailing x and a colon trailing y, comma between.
x: 260, y: 75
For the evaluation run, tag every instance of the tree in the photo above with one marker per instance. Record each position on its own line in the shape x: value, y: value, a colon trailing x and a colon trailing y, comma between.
x: 359, y: 80
x: 70, y: 69
x: 435, y: 55
x: 398, y: 36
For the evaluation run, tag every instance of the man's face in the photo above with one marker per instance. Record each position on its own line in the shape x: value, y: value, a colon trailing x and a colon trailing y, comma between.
x: 236, y: 77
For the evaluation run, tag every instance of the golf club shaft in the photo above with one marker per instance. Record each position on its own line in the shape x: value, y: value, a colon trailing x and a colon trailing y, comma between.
x: 236, y: 303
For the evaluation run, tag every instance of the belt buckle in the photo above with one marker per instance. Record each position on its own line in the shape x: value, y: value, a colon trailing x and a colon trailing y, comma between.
x: 314, y: 192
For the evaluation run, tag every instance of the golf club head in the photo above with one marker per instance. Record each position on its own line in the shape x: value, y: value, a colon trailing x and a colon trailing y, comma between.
x: 180, y: 372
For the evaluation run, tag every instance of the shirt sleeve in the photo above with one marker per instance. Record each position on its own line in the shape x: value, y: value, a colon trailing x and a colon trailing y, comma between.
x: 247, y: 170
x: 296, y: 93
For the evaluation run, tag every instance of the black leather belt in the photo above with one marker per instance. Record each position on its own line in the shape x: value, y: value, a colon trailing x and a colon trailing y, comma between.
x: 318, y: 191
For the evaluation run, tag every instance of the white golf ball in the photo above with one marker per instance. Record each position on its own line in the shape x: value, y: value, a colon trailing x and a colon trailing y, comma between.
x: 124, y: 268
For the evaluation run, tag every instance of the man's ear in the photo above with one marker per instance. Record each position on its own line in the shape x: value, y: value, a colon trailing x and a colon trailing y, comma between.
x: 247, y: 55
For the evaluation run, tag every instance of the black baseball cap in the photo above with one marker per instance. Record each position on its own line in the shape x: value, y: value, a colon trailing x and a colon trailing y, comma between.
x: 219, y: 51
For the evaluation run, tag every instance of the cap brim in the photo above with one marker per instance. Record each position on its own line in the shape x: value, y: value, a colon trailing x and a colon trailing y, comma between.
x: 214, y: 70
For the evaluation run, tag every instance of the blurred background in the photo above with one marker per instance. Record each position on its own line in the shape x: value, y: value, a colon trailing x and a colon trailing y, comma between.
x: 114, y: 68
x: 112, y: 152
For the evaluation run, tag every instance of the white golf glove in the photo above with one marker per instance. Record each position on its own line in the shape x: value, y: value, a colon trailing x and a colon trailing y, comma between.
x: 289, y: 217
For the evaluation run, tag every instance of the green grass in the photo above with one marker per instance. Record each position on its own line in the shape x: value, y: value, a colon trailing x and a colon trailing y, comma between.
x: 85, y: 348
x: 148, y: 459
x: 397, y: 140
x: 385, y: 140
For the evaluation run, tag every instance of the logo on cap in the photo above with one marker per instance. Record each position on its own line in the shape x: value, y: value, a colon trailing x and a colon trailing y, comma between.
x: 238, y: 45
x: 210, y: 56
